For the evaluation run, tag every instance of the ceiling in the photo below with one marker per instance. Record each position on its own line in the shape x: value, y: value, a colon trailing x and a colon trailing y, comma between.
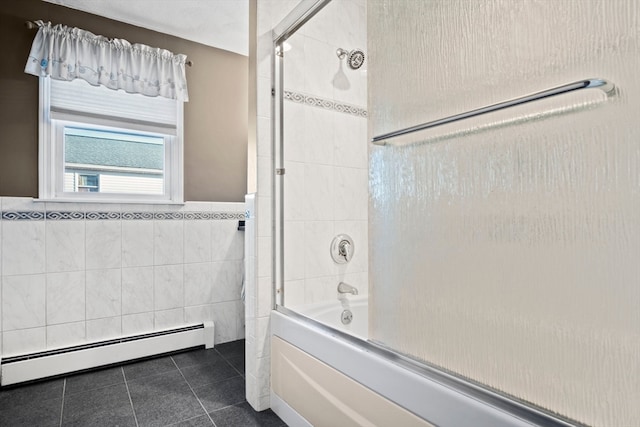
x: 219, y: 23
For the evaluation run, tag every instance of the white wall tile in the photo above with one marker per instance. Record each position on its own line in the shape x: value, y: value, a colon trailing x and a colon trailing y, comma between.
x: 198, y: 283
x: 351, y: 145
x: 23, y: 247
x: 96, y: 207
x: 294, y: 137
x: 264, y: 371
x: 103, y: 290
x: 294, y: 64
x: 319, y: 135
x: 23, y: 301
x: 293, y: 294
x: 227, y: 243
x: 225, y: 206
x: 319, y: 187
x: 264, y: 217
x: 265, y: 297
x: 358, y: 280
x: 137, y: 207
x: 240, y: 320
x: 351, y: 194
x: 23, y: 341
x: 165, y: 319
x: 252, y: 386
x: 200, y: 314
x: 264, y: 256
x: 264, y: 134
x: 265, y: 176
x: 264, y: 47
x: 197, y: 206
x: 65, y: 297
x: 321, y: 65
x: 168, y: 286
x: 137, y: 323
x: 250, y: 357
x: 104, y: 244
x: 137, y: 243
x: 295, y: 248
x: 21, y: 204
x: 294, y: 207
x: 318, y: 236
x: 263, y: 337
x: 0, y: 266
x: 168, y: 242
x: 322, y: 26
x: 264, y: 97
x: 116, y: 300
x: 227, y: 279
x: 137, y: 290
x: 65, y: 245
x: 65, y: 334
x: 320, y: 289
x: 225, y: 319
x: 197, y: 241
x: 103, y: 329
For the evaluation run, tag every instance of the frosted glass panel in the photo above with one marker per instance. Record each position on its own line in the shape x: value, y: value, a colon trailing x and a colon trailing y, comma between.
x: 505, y: 248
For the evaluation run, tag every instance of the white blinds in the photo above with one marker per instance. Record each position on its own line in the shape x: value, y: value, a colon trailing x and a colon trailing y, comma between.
x: 79, y: 98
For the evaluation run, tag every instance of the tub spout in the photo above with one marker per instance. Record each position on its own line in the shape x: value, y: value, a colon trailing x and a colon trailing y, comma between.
x: 344, y: 288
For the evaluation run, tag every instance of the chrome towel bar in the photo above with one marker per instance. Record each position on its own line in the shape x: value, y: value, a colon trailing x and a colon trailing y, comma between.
x: 601, y: 84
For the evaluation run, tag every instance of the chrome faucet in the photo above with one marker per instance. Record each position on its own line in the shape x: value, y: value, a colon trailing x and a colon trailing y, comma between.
x: 344, y: 288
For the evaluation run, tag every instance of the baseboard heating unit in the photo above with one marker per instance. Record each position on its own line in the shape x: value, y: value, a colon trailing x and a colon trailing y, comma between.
x: 33, y: 366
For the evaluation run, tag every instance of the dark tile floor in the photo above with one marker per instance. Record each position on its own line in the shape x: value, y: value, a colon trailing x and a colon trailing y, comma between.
x: 194, y: 388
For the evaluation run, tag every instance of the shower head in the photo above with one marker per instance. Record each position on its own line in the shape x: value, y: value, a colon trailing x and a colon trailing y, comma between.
x: 355, y: 58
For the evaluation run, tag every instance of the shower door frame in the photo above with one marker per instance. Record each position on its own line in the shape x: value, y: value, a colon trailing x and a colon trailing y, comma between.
x: 302, y: 13
x: 485, y: 400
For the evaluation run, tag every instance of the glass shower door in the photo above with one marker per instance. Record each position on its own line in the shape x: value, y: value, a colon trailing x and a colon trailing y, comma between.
x: 504, y: 248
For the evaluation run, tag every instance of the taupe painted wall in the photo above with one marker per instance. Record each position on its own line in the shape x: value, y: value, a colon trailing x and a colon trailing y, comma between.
x: 215, y: 134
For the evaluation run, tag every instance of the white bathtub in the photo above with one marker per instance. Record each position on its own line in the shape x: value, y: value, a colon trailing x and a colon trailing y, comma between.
x: 426, y: 394
x: 330, y: 314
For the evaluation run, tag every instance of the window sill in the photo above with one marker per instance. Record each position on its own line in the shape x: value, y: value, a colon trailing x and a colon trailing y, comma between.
x: 111, y: 201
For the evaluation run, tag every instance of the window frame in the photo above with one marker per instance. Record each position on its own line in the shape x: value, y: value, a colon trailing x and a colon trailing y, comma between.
x: 51, y: 153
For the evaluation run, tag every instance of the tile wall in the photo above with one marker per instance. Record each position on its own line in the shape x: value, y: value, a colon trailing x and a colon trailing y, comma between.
x: 327, y: 172
x: 74, y: 273
x: 259, y: 300
x: 325, y: 151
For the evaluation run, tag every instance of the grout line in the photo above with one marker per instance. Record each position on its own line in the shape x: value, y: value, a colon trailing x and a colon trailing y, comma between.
x: 129, y: 394
x: 64, y: 390
x: 192, y: 391
x: 230, y: 364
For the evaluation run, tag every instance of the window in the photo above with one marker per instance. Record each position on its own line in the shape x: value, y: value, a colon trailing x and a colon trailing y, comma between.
x: 85, y: 183
x: 99, y: 144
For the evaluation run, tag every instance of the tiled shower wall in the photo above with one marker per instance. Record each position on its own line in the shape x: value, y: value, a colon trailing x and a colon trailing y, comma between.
x: 327, y: 66
x: 325, y: 152
x: 74, y: 273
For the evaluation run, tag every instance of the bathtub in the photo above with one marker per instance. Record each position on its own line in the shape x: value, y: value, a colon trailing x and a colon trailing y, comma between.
x: 330, y: 314
x: 324, y: 373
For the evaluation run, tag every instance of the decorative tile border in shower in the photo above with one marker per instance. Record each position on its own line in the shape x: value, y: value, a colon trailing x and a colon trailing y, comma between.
x: 79, y: 215
x: 327, y: 104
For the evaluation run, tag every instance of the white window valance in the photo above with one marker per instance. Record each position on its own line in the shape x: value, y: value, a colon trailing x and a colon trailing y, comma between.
x: 66, y: 53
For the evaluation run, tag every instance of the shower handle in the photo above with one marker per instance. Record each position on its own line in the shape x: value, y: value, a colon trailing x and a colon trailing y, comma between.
x: 344, y: 249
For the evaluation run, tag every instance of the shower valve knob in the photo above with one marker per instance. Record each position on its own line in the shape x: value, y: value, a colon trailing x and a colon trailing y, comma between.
x: 342, y: 248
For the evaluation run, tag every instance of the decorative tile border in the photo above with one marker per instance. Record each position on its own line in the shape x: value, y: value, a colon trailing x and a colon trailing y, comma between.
x: 327, y: 104
x: 89, y: 216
